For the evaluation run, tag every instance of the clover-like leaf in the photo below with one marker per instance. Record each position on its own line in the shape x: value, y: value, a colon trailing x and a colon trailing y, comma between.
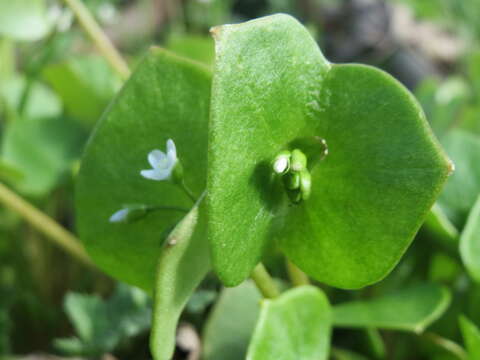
x: 167, y: 97
x: 272, y: 91
x: 295, y: 326
x: 410, y: 309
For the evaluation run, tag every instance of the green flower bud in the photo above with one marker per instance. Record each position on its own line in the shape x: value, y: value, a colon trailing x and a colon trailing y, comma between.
x: 298, y: 161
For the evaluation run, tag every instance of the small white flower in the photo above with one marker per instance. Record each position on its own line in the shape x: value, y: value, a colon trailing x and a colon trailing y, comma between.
x: 119, y: 216
x: 162, y: 164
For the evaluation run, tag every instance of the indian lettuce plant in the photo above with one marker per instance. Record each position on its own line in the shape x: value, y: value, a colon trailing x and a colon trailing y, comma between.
x: 193, y: 169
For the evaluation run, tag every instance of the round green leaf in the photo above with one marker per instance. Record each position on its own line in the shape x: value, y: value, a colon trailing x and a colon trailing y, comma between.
x: 166, y: 98
x: 295, y: 326
x: 273, y: 90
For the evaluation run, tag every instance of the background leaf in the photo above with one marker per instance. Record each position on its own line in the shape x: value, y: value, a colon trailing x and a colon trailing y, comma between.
x: 231, y: 323
x: 470, y: 242
x: 23, y: 19
x: 411, y: 309
x: 471, y: 336
x: 294, y: 326
x: 85, y: 85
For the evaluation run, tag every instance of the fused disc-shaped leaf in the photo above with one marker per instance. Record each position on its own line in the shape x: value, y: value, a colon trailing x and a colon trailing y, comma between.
x: 273, y: 90
x: 470, y: 242
x: 166, y: 98
x: 411, y: 309
x: 295, y: 326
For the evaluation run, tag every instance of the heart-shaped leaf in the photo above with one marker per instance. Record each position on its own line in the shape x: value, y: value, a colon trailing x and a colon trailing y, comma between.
x: 411, y: 309
x: 166, y: 98
x: 273, y: 90
x: 470, y: 242
x: 295, y: 326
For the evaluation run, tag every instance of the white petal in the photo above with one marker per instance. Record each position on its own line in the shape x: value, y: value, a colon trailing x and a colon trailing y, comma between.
x: 157, y: 158
x: 119, y: 216
x: 171, y: 151
x: 156, y: 174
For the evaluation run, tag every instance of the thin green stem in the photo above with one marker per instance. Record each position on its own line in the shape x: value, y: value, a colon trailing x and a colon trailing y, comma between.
x: 297, y: 276
x: 188, y: 192
x: 45, y: 224
x: 446, y: 344
x: 173, y: 208
x: 264, y: 282
x: 102, y: 42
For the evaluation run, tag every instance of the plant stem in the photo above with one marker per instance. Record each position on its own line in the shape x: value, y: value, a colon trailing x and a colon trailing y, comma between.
x: 264, y: 282
x: 297, y: 276
x: 188, y: 192
x: 103, y: 43
x: 45, y: 225
x: 448, y: 345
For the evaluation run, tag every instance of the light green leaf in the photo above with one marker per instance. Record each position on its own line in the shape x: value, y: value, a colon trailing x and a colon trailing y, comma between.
x: 199, y: 48
x: 471, y: 336
x: 463, y: 187
x: 273, y: 90
x: 85, y: 85
x: 41, y: 101
x: 166, y: 98
x: 102, y: 324
x: 231, y: 323
x: 439, y: 226
x: 23, y: 19
x: 182, y: 266
x: 42, y: 150
x: 410, y: 309
x: 470, y: 242
x: 295, y: 326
